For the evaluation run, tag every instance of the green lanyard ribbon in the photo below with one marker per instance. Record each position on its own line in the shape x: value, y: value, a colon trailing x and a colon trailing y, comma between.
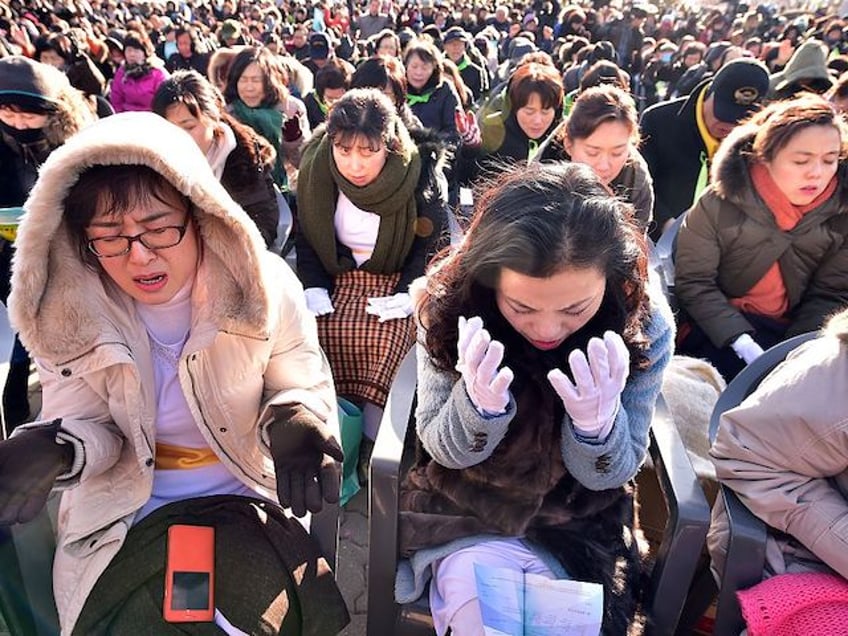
x: 532, y: 149
x: 703, y: 177
x: 418, y: 99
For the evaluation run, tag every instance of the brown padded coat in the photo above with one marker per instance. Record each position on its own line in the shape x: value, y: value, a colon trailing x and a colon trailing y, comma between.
x: 729, y: 239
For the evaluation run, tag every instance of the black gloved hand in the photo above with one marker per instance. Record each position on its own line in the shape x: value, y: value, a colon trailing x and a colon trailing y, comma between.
x: 29, y: 464
x: 306, y: 459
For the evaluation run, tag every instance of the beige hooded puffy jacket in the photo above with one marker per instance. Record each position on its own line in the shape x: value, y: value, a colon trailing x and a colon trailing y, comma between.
x: 252, y: 343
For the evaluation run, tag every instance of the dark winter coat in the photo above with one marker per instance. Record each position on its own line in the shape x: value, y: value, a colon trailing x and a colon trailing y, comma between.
x: 674, y: 149
x: 248, y: 179
x: 432, y: 214
x: 729, y: 239
x: 502, y: 141
x: 438, y: 112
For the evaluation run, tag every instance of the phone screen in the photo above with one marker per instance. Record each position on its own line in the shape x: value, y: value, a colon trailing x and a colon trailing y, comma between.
x: 191, y: 591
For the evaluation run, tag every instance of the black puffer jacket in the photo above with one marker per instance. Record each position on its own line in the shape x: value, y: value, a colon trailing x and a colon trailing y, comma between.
x: 247, y: 178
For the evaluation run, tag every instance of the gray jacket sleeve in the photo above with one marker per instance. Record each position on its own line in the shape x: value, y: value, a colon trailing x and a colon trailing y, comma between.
x: 615, y: 460
x: 451, y: 430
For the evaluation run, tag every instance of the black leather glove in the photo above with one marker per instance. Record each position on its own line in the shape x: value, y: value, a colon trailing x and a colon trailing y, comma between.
x: 29, y: 464
x: 306, y: 459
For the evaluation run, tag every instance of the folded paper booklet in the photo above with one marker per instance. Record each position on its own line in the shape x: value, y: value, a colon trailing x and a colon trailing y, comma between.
x: 9, y: 220
x: 515, y: 603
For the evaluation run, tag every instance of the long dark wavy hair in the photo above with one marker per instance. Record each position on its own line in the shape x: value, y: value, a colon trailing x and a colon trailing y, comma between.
x: 539, y: 220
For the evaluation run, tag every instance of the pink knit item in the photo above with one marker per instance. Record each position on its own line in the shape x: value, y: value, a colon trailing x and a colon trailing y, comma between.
x: 797, y: 605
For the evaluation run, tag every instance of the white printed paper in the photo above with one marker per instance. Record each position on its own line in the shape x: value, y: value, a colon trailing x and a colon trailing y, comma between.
x: 516, y: 604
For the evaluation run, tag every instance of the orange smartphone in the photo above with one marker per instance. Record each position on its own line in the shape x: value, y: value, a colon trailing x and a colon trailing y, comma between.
x: 190, y: 575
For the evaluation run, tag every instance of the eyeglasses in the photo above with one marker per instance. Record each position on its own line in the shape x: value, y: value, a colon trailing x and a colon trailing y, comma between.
x: 158, y: 239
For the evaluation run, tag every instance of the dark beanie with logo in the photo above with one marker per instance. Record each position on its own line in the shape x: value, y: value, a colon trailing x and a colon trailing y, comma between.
x: 30, y: 85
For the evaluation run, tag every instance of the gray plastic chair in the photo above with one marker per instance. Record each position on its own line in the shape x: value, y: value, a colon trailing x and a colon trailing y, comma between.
x: 676, y: 560
x: 7, y: 343
x: 284, y: 223
x: 662, y: 258
x: 746, y: 549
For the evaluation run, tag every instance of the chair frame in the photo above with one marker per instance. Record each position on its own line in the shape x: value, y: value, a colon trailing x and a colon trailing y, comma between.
x: 746, y: 549
x: 676, y: 560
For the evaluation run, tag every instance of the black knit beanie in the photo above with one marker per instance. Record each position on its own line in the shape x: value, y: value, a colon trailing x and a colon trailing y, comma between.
x: 33, y: 86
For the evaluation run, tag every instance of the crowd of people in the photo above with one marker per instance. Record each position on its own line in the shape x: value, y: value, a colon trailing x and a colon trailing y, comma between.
x: 483, y: 182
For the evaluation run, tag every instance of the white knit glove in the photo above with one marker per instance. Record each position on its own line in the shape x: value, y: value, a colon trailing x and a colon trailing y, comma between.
x: 318, y: 301
x: 593, y: 401
x: 478, y: 359
x: 394, y: 307
x: 747, y: 348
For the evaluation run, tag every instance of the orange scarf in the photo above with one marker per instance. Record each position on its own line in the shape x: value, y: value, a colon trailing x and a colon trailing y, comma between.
x: 768, y: 297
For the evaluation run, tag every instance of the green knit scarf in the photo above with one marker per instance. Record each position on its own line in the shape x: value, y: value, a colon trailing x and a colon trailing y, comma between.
x: 268, y: 122
x: 391, y: 196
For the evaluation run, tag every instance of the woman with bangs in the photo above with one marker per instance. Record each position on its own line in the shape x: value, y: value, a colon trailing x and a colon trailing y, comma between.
x: 371, y: 214
x: 386, y: 43
x: 602, y: 131
x: 531, y: 110
x: 239, y: 157
x: 540, y: 351
x: 182, y: 383
x: 762, y: 255
x: 430, y: 95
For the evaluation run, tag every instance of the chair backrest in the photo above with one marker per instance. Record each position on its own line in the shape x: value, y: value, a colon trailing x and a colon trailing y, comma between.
x: 7, y: 343
x: 745, y: 558
x: 284, y: 223
x: 750, y: 377
x: 662, y: 257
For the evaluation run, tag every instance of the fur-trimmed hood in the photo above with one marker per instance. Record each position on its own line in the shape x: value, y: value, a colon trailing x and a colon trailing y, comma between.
x: 729, y: 173
x: 60, y: 306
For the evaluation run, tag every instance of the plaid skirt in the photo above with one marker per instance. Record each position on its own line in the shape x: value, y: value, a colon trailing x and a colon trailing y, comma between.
x: 364, y: 353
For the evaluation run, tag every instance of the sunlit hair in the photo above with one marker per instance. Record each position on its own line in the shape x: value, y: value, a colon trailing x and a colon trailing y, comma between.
x: 193, y: 91
x: 273, y: 76
x: 599, y: 105
x: 368, y: 114
x: 380, y: 72
x: 427, y: 52
x: 776, y: 125
x: 333, y: 76
x: 539, y: 220
x: 541, y: 79
x: 377, y: 39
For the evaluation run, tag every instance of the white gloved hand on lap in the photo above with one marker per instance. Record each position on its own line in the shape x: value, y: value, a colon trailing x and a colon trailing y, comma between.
x: 318, y: 301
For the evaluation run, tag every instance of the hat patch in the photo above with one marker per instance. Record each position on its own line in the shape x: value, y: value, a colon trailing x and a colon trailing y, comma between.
x: 746, y: 95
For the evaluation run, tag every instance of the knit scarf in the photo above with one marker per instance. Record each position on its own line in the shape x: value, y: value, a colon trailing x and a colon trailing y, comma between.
x: 768, y: 296
x: 786, y: 214
x: 391, y: 196
x: 268, y: 122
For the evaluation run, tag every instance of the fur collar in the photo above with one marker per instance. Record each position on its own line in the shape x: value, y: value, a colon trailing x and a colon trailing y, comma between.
x: 58, y: 305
